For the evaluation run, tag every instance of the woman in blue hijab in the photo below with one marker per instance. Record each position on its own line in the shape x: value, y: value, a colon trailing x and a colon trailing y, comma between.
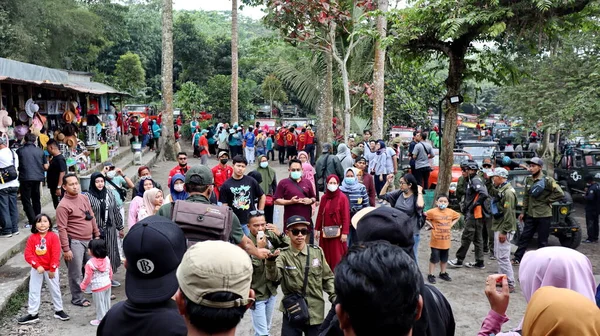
x: 177, y: 189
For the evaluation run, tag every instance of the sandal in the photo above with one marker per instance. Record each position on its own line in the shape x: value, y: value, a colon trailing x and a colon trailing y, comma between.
x: 515, y: 262
x: 84, y: 303
x: 113, y: 297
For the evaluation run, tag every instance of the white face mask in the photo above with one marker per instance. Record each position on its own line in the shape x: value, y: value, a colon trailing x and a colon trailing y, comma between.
x: 111, y: 174
x: 332, y: 187
x: 178, y: 187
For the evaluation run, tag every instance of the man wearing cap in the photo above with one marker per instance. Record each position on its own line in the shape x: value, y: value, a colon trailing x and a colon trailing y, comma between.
x: 475, y: 196
x: 328, y: 164
x: 199, y: 183
x: 288, y: 268
x: 56, y: 171
x: 214, y: 293
x: 592, y: 208
x: 153, y: 249
x: 540, y: 192
x: 32, y: 167
x: 504, y: 222
x: 222, y: 171
x: 264, y: 235
x: 9, y: 218
x: 391, y: 225
x: 310, y: 144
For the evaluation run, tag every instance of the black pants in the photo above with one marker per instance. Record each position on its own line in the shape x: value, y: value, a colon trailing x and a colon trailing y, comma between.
x: 591, y: 219
x: 55, y: 199
x: 422, y: 176
x: 488, y: 236
x: 532, y: 225
x: 288, y: 330
x: 281, y: 154
x: 30, y: 197
x: 310, y: 149
x: 269, y: 213
x: 271, y: 155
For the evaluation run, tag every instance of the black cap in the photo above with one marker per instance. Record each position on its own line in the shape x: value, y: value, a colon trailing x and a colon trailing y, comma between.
x: 296, y: 220
x: 153, y: 248
x: 389, y: 224
x: 589, y: 178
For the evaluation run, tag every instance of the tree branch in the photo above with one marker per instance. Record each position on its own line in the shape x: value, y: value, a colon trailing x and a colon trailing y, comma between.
x: 429, y: 43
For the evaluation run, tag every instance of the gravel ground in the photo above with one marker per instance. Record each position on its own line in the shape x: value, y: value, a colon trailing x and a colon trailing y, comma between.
x: 465, y: 292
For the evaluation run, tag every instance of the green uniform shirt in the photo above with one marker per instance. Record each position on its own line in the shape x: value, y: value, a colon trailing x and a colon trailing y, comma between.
x: 541, y: 206
x: 289, y: 270
x: 264, y: 288
x: 461, y: 187
x: 236, y: 231
x: 507, y: 202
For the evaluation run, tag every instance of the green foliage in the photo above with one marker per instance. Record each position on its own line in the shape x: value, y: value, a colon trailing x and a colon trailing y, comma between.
x: 190, y: 98
x: 130, y: 76
x: 218, y: 101
x: 272, y: 90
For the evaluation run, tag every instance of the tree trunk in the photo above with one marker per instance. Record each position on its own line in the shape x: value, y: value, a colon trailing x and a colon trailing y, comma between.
x: 347, y: 103
x: 379, y: 73
x: 453, y: 85
x: 325, y: 132
x: 234, y: 62
x: 167, y: 139
x: 545, y: 142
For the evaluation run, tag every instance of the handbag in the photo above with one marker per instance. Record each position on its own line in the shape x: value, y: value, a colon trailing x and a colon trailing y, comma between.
x: 122, y: 192
x: 295, y: 305
x: 332, y: 231
x: 9, y: 173
x: 269, y: 200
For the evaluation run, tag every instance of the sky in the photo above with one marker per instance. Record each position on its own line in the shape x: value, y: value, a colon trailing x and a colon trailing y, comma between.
x: 216, y: 5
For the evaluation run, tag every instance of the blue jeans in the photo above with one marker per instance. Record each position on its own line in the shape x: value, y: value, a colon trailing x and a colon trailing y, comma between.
x: 245, y: 229
x: 417, y: 238
x: 145, y: 139
x: 9, y: 217
x: 262, y: 315
x: 260, y: 151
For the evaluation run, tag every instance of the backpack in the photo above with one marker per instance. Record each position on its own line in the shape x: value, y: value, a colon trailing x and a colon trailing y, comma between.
x: 201, y: 222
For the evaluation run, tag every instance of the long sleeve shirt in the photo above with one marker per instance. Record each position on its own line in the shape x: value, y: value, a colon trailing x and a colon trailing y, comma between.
x: 542, y: 205
x: 70, y: 216
x: 493, y: 324
x: 264, y: 288
x: 134, y: 208
x: 506, y: 201
x: 45, y: 254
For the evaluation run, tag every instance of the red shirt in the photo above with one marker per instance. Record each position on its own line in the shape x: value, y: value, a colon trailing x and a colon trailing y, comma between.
x: 45, y: 255
x: 301, y: 141
x: 290, y: 139
x: 179, y: 121
x: 145, y: 128
x: 310, y: 137
x: 135, y: 128
x: 280, y: 138
x: 221, y: 174
x: 159, y: 120
x: 177, y: 169
x: 203, y: 142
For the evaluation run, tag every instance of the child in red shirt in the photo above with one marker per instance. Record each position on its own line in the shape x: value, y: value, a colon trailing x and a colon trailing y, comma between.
x: 42, y: 252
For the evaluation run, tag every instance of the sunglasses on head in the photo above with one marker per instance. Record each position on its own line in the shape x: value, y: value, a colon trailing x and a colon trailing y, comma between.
x: 255, y: 213
x: 295, y: 232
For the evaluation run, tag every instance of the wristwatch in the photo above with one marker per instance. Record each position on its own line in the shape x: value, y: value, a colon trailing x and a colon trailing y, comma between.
x: 59, y: 187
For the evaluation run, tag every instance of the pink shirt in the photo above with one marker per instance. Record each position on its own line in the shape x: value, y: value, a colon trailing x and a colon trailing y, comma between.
x: 134, y: 207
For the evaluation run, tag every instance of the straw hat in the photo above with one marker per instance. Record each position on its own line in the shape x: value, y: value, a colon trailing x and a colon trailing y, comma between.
x: 68, y: 117
x: 71, y: 141
x: 60, y: 137
x: 5, y: 121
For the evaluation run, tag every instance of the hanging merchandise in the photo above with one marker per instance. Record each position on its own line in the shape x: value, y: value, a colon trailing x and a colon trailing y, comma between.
x: 31, y: 107
x: 93, y: 108
x: 5, y: 121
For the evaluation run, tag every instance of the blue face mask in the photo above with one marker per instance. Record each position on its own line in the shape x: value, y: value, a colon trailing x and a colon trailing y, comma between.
x: 295, y: 175
x: 350, y: 180
x: 442, y: 206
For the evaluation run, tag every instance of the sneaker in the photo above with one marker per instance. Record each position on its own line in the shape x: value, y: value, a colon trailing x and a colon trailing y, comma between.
x: 431, y: 278
x: 27, y: 319
x: 455, y: 263
x: 115, y: 283
x: 27, y: 226
x: 95, y: 322
x: 7, y: 235
x: 17, y: 233
x: 445, y: 276
x: 61, y: 315
x: 478, y: 265
x: 492, y: 257
x: 588, y: 241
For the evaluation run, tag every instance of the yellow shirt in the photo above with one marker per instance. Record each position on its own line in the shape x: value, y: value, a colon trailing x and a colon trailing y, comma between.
x: 441, y: 220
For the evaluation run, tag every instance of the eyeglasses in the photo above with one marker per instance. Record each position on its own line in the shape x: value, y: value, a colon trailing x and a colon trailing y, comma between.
x: 182, y: 158
x: 296, y: 232
x: 487, y: 166
x: 255, y: 213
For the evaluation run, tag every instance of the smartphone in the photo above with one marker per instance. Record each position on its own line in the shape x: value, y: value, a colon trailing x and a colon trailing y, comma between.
x: 260, y: 235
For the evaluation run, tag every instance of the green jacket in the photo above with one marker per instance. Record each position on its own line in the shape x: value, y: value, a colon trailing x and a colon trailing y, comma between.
x: 236, y: 231
x: 289, y: 270
x: 461, y: 187
x: 507, y: 200
x: 541, y: 206
x: 264, y: 288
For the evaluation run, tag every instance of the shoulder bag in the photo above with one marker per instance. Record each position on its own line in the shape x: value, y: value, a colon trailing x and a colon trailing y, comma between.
x: 122, y: 192
x: 295, y: 305
x: 9, y: 173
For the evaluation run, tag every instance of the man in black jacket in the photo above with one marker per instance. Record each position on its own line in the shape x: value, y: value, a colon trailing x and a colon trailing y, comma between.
x: 592, y: 204
x: 390, y: 224
x: 32, y: 164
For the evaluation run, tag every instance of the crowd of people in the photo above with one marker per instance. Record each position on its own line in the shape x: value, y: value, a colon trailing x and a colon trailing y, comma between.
x: 361, y: 249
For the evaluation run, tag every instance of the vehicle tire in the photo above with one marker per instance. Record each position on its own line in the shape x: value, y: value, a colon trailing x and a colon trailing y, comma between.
x: 575, y: 239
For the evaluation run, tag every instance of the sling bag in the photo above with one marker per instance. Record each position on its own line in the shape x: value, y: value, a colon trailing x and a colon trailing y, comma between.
x: 295, y: 305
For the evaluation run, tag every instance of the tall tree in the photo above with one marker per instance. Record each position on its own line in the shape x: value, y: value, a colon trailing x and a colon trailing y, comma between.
x: 168, y: 145
x: 379, y: 71
x: 130, y: 76
x: 272, y: 90
x: 234, y: 62
x: 449, y: 27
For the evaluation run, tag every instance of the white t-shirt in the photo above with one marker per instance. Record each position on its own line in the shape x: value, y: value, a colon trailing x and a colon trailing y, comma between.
x: 6, y: 159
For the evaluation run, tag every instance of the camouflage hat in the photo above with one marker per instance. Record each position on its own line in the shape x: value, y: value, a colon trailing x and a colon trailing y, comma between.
x: 203, y: 173
x: 501, y: 172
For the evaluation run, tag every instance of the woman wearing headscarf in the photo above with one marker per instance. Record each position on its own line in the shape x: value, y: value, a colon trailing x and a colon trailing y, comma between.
x: 268, y: 185
x: 366, y: 179
x: 380, y: 165
x: 408, y: 199
x: 153, y: 200
x: 558, y: 311
x: 108, y: 217
x: 143, y: 172
x: 308, y: 171
x: 357, y: 196
x: 333, y: 222
x: 136, y: 204
x: 343, y: 153
x: 177, y: 189
x: 551, y: 266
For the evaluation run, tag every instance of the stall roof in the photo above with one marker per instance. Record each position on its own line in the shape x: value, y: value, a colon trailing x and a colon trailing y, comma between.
x: 25, y: 73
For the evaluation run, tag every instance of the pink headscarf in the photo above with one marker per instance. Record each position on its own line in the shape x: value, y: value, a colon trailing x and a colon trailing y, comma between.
x: 559, y: 267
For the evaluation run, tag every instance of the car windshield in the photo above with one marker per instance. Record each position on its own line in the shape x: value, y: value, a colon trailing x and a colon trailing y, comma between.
x: 459, y: 158
x: 136, y: 108
x: 517, y: 181
x: 479, y: 151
